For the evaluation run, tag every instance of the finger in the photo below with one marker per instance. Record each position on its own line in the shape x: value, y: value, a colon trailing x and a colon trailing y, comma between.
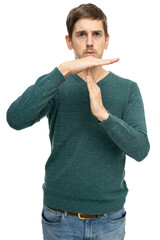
x: 92, y: 83
x: 109, y: 61
x: 89, y: 80
x: 88, y: 71
x: 88, y: 83
x: 92, y: 77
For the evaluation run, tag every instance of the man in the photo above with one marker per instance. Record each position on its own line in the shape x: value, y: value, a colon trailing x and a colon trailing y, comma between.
x: 96, y: 118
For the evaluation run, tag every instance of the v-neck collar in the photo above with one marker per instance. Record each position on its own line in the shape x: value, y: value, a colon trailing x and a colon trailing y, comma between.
x: 100, y: 82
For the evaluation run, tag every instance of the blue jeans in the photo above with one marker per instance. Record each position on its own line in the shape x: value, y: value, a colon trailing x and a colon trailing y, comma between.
x: 60, y: 226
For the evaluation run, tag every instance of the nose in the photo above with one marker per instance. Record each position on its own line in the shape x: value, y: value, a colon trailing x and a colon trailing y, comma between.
x: 89, y: 41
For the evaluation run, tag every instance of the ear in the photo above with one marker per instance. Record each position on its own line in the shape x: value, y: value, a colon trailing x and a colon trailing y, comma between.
x: 69, y: 42
x: 107, y: 41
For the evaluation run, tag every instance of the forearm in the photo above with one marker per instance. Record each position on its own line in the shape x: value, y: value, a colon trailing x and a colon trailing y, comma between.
x: 33, y: 104
x: 132, y: 141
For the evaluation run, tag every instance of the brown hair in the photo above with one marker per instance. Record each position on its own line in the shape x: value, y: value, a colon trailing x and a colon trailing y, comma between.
x: 85, y: 11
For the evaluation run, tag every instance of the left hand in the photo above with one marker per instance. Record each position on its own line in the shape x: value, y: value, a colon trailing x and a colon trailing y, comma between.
x: 96, y: 103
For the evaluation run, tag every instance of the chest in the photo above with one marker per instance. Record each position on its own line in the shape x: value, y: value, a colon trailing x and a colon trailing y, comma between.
x: 75, y: 99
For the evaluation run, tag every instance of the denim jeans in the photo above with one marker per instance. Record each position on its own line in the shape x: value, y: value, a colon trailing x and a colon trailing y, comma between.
x: 62, y: 226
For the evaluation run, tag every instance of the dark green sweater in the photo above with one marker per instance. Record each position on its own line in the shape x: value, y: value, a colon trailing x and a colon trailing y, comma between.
x: 85, y: 170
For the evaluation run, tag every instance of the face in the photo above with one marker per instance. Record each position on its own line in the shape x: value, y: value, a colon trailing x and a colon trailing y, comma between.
x: 88, y: 39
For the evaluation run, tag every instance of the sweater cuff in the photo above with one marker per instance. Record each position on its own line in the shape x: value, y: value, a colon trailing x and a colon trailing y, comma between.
x: 110, y: 123
x: 49, y: 84
x: 56, y: 75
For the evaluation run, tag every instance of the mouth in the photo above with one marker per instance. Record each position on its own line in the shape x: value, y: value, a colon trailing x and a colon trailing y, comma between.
x: 90, y: 53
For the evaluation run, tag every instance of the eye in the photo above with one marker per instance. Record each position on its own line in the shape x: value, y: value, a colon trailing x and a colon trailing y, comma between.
x: 81, y: 35
x: 97, y: 34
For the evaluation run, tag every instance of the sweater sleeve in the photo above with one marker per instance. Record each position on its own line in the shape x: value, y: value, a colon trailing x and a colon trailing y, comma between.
x: 34, y: 103
x: 130, y: 133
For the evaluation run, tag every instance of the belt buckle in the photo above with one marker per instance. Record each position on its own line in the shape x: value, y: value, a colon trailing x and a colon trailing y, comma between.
x: 79, y: 216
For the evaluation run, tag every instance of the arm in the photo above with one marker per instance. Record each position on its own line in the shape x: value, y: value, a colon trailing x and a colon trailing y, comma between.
x: 34, y: 103
x: 130, y: 134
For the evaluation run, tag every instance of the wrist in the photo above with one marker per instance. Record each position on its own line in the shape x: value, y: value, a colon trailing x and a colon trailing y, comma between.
x: 103, y: 115
x: 64, y: 69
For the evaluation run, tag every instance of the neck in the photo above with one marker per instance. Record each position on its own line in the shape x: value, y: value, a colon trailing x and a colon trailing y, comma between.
x: 98, y: 73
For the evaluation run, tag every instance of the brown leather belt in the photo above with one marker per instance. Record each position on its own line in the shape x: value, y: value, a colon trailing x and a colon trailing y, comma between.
x: 80, y: 215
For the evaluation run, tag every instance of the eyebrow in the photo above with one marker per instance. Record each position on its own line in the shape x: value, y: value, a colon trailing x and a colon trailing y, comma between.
x: 84, y: 31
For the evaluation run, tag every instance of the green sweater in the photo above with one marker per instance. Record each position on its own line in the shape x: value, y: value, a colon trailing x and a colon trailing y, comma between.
x: 85, y: 170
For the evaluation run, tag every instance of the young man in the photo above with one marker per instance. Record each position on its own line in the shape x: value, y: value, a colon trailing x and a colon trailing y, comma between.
x: 96, y: 118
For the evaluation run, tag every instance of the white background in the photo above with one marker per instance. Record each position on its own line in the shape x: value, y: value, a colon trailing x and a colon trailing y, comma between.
x: 33, y: 44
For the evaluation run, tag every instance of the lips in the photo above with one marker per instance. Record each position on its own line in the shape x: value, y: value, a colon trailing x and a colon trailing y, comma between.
x: 90, y: 53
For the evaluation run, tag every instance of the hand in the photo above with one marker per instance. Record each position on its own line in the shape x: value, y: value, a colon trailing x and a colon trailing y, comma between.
x: 96, y: 103
x: 81, y: 64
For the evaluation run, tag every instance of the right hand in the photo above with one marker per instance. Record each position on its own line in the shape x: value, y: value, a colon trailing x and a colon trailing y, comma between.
x: 81, y: 64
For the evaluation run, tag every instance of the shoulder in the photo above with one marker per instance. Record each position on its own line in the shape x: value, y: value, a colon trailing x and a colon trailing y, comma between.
x: 122, y: 80
x: 125, y: 83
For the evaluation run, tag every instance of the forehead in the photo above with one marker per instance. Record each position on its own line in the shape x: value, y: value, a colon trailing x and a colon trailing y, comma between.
x: 88, y: 25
